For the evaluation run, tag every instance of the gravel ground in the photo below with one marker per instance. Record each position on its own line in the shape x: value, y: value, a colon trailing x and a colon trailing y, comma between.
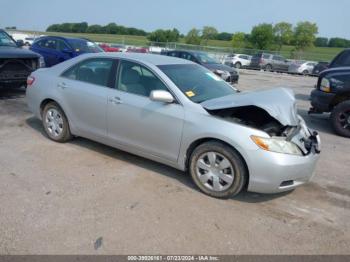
x: 86, y: 198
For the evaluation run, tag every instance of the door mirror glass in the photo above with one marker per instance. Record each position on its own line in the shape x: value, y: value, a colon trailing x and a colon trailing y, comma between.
x: 161, y: 96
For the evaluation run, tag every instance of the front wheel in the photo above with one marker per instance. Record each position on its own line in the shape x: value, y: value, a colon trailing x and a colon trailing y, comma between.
x: 218, y: 170
x: 340, y: 118
x: 238, y: 65
x: 305, y: 73
x: 55, y: 123
x: 268, y: 68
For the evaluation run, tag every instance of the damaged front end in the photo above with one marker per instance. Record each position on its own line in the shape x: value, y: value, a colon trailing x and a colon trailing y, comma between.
x: 272, y: 111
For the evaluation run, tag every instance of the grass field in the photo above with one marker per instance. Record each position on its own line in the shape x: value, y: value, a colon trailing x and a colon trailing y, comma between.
x: 315, y: 53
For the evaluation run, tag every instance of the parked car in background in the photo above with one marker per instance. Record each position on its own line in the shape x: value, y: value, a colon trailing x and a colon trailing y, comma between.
x: 237, y: 60
x: 179, y: 113
x: 302, y: 67
x: 332, y: 93
x: 16, y: 63
x: 56, y: 49
x: 137, y: 50
x: 319, y: 67
x: 269, y: 62
x: 121, y: 47
x: 108, y: 48
x: 28, y: 41
x: 227, y: 73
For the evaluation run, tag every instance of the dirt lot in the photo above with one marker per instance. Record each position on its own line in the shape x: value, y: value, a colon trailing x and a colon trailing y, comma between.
x: 87, y: 198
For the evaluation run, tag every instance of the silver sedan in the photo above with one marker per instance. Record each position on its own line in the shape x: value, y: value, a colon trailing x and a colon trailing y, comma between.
x: 178, y: 113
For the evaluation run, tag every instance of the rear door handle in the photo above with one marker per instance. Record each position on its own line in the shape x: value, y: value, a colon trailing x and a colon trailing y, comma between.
x: 115, y: 100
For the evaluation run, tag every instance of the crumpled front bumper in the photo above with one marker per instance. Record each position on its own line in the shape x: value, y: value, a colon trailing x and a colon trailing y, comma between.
x: 276, y: 172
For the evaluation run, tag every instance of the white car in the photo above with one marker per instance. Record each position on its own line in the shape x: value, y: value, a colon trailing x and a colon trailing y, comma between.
x: 237, y: 60
x: 302, y: 67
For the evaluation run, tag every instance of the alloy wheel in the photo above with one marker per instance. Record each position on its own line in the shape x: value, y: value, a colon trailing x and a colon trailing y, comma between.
x: 215, y: 171
x: 54, y: 122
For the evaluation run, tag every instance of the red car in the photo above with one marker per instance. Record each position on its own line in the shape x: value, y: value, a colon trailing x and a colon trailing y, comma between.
x: 108, y: 48
x: 137, y: 50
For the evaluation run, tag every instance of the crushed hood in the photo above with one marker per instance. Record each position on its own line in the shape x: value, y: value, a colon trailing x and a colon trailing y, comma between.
x: 278, y: 102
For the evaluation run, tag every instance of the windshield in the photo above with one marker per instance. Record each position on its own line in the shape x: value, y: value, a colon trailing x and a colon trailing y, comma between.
x: 205, y: 59
x: 84, y: 46
x: 197, y: 83
x: 5, y: 40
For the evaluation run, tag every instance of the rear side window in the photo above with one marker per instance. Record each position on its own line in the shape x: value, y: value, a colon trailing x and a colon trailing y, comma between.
x: 94, y: 71
x: 265, y: 56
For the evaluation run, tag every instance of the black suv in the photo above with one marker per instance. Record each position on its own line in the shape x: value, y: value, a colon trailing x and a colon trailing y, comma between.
x: 332, y: 93
x: 16, y: 63
x: 227, y: 73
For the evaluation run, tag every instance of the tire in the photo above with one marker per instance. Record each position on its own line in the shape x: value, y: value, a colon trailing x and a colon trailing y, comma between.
x: 269, y: 68
x: 340, y: 118
x: 238, y: 65
x: 305, y: 73
x: 55, y: 123
x: 232, y: 178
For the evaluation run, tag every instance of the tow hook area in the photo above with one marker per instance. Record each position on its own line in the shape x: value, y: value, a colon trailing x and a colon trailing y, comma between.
x: 313, y: 143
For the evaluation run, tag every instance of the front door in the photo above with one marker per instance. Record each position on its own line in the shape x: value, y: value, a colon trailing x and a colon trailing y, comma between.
x: 135, y: 120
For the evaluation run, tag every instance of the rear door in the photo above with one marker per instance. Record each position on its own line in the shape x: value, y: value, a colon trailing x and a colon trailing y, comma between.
x: 84, y: 89
x: 135, y: 121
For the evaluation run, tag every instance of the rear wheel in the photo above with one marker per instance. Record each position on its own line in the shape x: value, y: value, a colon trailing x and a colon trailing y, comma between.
x: 218, y: 170
x: 340, y: 118
x: 55, y: 123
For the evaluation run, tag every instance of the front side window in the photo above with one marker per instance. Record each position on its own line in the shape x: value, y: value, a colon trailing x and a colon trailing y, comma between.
x: 5, y: 40
x: 196, y: 82
x: 137, y: 79
x: 342, y: 60
x: 93, y: 71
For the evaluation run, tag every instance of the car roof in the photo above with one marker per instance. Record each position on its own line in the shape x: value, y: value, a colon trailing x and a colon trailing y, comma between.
x: 189, y: 51
x: 63, y: 37
x: 153, y: 59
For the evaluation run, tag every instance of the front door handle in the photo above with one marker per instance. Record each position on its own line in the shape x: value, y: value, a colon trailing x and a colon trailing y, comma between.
x: 62, y: 85
x: 115, y: 100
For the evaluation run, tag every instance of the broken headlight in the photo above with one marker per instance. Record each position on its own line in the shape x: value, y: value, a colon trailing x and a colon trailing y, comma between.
x: 276, y: 144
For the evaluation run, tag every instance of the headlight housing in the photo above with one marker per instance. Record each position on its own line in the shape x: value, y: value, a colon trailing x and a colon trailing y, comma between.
x: 41, y: 62
x: 325, y: 85
x: 277, y: 145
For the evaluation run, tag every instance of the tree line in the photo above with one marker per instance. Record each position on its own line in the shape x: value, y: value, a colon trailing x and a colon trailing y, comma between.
x: 263, y: 36
x: 111, y: 28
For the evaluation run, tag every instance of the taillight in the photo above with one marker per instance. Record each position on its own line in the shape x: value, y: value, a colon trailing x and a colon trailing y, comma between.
x: 30, y: 80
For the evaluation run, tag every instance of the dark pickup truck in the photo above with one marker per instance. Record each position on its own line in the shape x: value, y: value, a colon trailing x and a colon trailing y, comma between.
x: 16, y: 63
x: 332, y: 93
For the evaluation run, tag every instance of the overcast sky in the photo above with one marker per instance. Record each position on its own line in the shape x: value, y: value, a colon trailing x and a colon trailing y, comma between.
x: 332, y: 16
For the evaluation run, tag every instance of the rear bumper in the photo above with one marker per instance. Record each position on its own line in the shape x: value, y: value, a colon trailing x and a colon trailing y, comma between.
x: 321, y: 101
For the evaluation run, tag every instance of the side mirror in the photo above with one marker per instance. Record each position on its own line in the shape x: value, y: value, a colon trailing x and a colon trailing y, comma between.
x: 20, y: 43
x: 161, y: 96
